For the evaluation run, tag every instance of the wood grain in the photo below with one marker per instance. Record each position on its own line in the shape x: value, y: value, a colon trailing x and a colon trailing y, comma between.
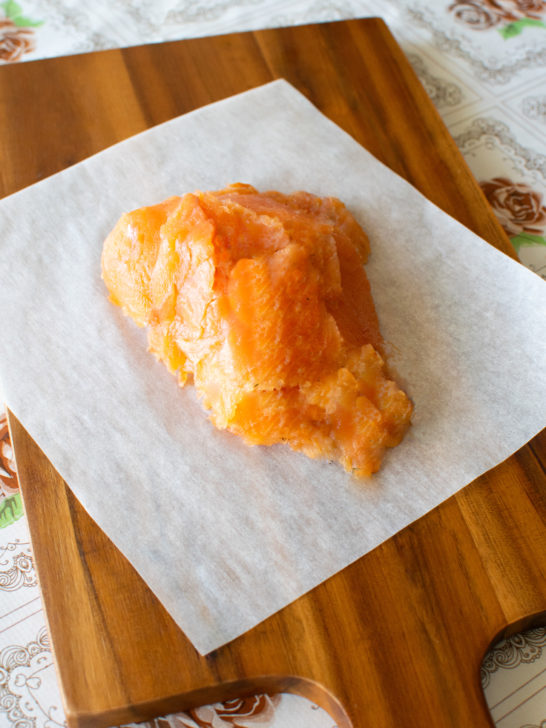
x: 397, y: 638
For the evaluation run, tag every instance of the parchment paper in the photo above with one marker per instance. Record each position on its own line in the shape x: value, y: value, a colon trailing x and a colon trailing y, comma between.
x: 224, y: 534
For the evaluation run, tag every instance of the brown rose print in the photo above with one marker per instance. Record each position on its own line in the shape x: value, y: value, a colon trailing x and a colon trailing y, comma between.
x: 238, y: 713
x: 518, y: 207
x: 14, y: 41
x: 16, y: 32
x: 532, y: 8
x: 517, y: 9
x: 478, y: 15
x: 512, y: 14
x: 8, y: 473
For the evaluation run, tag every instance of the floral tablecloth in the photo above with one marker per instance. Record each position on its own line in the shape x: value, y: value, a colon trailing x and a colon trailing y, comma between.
x: 483, y: 62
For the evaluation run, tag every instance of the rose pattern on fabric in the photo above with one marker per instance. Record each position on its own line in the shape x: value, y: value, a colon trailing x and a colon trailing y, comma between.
x: 258, y: 711
x: 517, y: 9
x: 513, y: 15
x: 475, y: 15
x: 11, y: 506
x: 16, y: 32
x: 518, y: 207
x: 8, y: 472
x: 14, y: 41
x: 237, y: 713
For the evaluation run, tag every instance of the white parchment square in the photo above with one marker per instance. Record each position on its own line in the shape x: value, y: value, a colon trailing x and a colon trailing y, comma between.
x: 224, y: 534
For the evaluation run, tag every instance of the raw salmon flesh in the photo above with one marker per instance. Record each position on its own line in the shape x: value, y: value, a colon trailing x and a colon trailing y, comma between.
x: 262, y: 299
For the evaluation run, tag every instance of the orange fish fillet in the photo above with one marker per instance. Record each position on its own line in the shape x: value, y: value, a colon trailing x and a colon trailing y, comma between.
x: 263, y: 299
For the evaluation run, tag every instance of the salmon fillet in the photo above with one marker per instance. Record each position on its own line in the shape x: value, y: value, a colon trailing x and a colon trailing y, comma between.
x: 263, y: 301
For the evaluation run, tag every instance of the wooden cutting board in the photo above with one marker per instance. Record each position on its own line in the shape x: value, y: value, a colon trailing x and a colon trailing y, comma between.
x: 395, y: 639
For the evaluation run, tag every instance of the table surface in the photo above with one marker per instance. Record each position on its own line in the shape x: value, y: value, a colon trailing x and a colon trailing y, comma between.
x: 19, y: 170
